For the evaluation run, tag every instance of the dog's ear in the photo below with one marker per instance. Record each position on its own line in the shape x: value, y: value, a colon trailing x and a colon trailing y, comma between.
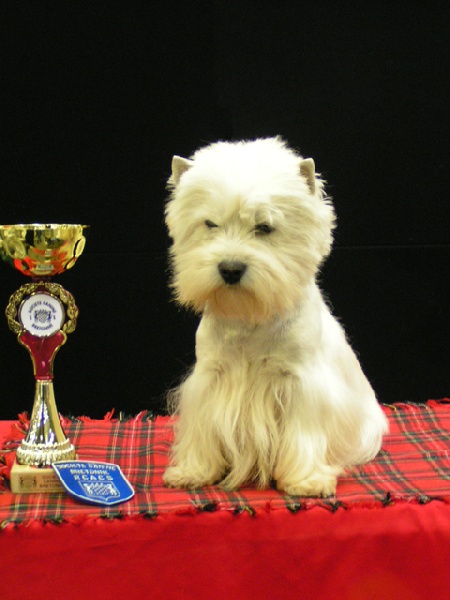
x: 308, y: 171
x: 179, y: 166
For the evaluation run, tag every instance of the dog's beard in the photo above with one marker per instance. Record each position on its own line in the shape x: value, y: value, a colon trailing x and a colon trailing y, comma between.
x: 238, y: 303
x: 233, y: 302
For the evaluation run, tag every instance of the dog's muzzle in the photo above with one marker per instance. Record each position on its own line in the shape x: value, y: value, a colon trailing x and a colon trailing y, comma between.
x: 232, y: 271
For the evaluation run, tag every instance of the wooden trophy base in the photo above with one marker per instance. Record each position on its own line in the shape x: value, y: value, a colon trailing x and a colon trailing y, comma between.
x: 26, y: 479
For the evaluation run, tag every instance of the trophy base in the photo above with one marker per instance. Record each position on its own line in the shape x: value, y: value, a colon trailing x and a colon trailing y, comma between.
x: 26, y: 479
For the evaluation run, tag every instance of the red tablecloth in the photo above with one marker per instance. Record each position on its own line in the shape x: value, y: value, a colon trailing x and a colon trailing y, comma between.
x: 386, y: 533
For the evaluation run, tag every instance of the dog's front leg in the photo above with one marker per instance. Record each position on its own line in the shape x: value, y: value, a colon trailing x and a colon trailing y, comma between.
x: 302, y: 466
x: 319, y: 482
x: 195, y: 461
x: 187, y: 475
x: 197, y: 457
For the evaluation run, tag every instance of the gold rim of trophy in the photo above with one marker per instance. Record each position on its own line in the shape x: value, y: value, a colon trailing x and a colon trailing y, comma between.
x: 42, y: 225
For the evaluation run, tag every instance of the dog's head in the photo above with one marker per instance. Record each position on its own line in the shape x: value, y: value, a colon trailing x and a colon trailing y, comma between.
x: 250, y: 227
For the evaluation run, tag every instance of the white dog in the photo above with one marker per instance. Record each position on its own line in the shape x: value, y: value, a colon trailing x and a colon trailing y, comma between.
x: 276, y: 391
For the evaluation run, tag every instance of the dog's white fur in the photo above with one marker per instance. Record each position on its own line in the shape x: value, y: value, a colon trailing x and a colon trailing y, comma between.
x: 276, y: 391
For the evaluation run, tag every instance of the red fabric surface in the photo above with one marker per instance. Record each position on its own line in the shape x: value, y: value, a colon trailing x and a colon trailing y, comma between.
x: 385, y: 535
x: 400, y: 552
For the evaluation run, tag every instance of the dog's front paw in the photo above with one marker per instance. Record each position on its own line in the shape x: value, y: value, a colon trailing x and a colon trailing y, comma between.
x: 316, y: 485
x: 181, y: 478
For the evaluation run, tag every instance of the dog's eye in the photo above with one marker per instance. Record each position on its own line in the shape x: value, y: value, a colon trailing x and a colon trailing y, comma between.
x: 264, y: 229
x: 210, y: 224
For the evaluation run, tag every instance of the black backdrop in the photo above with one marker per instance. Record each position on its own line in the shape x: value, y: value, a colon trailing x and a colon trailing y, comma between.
x: 97, y: 96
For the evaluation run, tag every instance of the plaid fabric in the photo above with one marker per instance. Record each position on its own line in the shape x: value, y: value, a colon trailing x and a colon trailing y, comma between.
x: 413, y: 465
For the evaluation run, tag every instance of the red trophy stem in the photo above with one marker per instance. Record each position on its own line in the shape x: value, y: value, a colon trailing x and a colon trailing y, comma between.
x: 42, y: 351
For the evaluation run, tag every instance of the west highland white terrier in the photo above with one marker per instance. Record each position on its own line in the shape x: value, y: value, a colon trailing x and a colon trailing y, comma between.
x: 276, y: 392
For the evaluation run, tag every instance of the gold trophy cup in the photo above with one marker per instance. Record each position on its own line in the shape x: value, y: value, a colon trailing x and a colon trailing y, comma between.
x: 41, y: 313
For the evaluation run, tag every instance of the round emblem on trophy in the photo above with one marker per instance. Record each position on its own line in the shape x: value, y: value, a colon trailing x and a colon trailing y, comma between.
x: 42, y: 314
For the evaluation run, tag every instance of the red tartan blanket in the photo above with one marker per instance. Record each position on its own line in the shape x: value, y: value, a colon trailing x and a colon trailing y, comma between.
x: 413, y: 466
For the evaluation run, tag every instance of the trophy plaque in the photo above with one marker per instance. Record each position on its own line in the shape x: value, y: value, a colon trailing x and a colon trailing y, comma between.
x: 41, y: 313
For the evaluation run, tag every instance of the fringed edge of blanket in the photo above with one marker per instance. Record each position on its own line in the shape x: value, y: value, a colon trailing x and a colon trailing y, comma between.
x: 296, y: 506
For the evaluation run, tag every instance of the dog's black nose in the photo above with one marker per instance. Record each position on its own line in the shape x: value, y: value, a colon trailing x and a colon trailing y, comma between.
x: 232, y: 271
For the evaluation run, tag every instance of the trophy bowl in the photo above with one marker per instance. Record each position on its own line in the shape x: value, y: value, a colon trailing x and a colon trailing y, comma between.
x: 42, y: 250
